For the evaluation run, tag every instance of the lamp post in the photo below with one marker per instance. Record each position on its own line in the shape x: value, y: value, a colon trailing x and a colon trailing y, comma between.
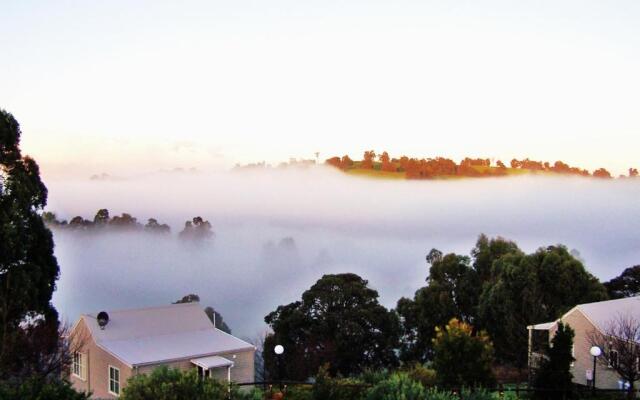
x: 595, y: 351
x: 279, y: 350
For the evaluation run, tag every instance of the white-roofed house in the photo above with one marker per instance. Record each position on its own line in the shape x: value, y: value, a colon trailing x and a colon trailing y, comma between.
x: 138, y: 340
x: 585, y: 320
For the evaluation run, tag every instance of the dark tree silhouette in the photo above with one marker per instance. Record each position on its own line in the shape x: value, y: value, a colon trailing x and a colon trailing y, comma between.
x: 553, y: 377
x: 197, y: 230
x: 338, y: 321
x: 28, y: 268
x: 214, y: 316
x: 625, y: 285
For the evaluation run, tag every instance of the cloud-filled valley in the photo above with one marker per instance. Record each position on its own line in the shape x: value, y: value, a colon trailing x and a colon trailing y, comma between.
x: 379, y: 229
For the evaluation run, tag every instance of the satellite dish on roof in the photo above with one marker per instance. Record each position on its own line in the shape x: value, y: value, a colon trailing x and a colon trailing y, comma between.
x: 103, y: 319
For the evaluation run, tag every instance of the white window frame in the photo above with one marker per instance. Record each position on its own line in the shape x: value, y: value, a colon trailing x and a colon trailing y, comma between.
x: 79, y: 364
x: 109, y: 380
x: 573, y: 355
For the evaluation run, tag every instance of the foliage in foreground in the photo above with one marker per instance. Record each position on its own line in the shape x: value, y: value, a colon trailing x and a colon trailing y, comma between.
x: 169, y: 384
x: 39, y: 389
x: 462, y: 357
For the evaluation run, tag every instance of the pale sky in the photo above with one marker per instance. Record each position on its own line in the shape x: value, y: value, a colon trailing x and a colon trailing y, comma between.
x: 140, y: 86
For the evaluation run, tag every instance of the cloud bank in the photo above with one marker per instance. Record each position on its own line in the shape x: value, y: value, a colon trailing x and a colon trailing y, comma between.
x: 278, y: 231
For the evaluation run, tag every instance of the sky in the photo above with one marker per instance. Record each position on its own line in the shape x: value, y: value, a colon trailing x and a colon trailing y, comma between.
x: 142, y: 86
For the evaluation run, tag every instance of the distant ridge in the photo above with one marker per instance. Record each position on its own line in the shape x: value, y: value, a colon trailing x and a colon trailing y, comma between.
x: 384, y: 166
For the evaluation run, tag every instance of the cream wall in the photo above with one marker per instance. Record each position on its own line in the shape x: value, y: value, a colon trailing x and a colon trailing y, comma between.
x: 606, y: 378
x: 97, y: 368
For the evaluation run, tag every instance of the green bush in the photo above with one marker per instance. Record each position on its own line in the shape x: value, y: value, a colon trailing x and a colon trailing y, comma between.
x: 171, y: 384
x: 372, y: 376
x: 327, y: 387
x: 426, y: 376
x: 397, y: 387
x: 38, y: 389
x: 253, y: 394
x: 299, y: 393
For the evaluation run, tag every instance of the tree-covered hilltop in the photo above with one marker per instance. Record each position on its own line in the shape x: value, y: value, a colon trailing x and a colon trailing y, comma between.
x: 383, y: 165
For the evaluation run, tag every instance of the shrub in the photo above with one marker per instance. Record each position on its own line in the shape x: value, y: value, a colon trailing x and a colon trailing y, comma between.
x: 426, y: 376
x: 327, y: 387
x: 39, y: 389
x: 398, y: 387
x: 169, y: 384
x: 299, y: 393
x: 371, y: 376
x: 462, y: 357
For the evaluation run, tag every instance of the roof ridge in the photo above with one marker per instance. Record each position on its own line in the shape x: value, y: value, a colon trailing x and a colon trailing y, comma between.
x: 610, y: 300
x: 172, y: 305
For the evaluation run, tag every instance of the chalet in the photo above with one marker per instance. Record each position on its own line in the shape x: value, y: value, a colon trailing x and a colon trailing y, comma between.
x: 585, y: 319
x: 112, y: 346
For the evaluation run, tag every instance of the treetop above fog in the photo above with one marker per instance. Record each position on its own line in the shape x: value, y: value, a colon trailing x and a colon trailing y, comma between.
x: 196, y: 229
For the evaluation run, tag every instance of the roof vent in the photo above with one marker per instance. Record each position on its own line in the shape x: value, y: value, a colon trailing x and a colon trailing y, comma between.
x: 103, y: 319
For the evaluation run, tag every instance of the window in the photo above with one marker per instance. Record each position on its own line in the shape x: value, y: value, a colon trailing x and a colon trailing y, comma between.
x: 613, y: 359
x: 573, y: 355
x: 79, y: 367
x: 114, y: 380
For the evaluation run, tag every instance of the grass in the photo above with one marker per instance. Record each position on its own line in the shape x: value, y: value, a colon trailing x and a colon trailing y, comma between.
x: 373, y: 173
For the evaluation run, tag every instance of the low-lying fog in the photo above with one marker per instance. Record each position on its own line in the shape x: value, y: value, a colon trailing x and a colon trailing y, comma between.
x: 380, y: 229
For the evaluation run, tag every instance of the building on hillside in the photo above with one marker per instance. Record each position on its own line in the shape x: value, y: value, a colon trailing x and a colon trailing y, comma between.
x: 585, y: 319
x: 136, y: 341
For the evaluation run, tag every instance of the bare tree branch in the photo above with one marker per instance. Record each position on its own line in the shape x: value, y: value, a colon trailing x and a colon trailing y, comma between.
x: 620, y: 344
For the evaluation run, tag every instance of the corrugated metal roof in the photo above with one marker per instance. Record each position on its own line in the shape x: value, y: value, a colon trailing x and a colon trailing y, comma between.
x: 160, y: 334
x: 603, y: 313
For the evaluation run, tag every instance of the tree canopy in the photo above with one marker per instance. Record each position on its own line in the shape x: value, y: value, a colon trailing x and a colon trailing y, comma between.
x: 338, y: 321
x: 625, y: 285
x: 499, y: 289
x: 28, y: 267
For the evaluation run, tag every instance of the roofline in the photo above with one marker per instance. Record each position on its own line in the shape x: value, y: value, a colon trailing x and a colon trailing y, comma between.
x: 575, y: 308
x: 235, y: 337
x: 144, y: 364
x: 147, y: 308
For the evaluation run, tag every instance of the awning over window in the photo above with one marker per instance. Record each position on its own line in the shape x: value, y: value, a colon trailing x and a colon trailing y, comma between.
x: 212, y: 362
